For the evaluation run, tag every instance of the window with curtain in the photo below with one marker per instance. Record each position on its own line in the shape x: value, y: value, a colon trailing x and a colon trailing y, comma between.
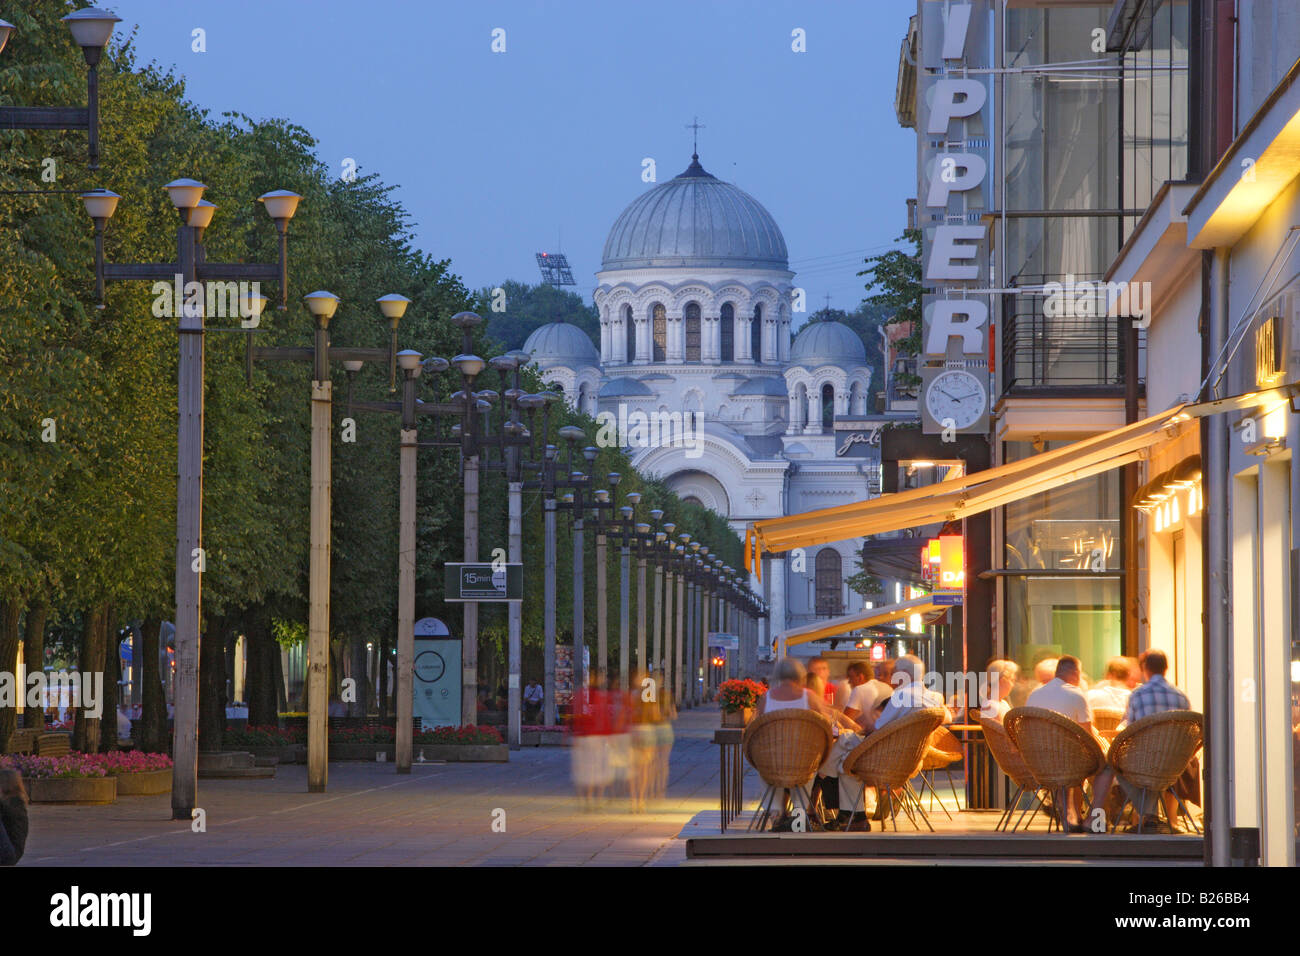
x: 629, y: 333
x: 829, y: 583
x: 693, y: 332
x: 659, y: 331
x: 728, y: 333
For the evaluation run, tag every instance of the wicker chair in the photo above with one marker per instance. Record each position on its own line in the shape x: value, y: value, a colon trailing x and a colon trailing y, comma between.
x: 1152, y: 753
x: 1009, y: 761
x: 943, y: 751
x: 890, y: 757
x: 786, y: 747
x: 1106, y: 722
x: 1059, y: 753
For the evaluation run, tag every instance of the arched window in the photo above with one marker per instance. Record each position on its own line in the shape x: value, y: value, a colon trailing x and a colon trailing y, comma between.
x: 828, y: 407
x: 756, y: 334
x: 629, y: 332
x: 829, y: 603
x: 659, y: 328
x: 692, y: 500
x: 728, y: 332
x: 693, y: 332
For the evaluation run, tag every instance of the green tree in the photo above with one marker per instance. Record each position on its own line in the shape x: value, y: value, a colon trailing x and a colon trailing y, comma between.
x: 894, y: 281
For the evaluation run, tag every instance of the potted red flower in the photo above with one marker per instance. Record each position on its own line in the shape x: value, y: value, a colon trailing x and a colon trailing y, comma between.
x: 738, y: 698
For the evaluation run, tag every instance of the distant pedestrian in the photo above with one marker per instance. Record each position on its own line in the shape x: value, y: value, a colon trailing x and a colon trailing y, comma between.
x: 13, y: 817
x: 534, y: 694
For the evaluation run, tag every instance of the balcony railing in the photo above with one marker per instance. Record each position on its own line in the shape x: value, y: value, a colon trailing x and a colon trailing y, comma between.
x: 1067, y: 351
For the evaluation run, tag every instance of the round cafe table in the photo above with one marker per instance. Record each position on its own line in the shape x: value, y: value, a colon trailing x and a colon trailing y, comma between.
x: 977, y: 764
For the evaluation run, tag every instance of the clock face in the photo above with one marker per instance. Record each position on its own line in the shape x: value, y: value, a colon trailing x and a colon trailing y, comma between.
x: 956, y: 396
x: 429, y: 667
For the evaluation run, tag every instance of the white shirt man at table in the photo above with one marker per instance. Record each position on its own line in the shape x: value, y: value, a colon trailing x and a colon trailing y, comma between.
x: 1112, y: 692
x: 910, y: 693
x: 1064, y: 695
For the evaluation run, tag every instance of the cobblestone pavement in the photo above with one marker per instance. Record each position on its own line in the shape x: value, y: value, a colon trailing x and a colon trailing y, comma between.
x: 441, y: 814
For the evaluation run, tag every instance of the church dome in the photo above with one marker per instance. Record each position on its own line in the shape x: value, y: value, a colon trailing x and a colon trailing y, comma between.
x: 827, y: 343
x: 559, y: 343
x: 695, y: 220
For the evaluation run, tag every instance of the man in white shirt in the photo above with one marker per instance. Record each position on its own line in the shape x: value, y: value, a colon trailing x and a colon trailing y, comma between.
x: 533, y: 696
x: 1112, y: 692
x: 1063, y: 695
x: 909, y: 692
x: 864, y: 695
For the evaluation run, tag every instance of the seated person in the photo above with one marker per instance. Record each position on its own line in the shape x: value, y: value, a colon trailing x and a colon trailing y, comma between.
x: 1063, y: 695
x: 1002, y: 681
x: 1112, y: 691
x: 1153, y: 697
x: 909, y: 692
x: 865, y: 696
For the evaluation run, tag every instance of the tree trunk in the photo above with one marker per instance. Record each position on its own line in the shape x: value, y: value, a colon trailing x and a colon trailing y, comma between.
x: 34, y: 658
x: 152, y: 735
x: 112, y: 674
x: 10, y: 612
x: 382, y: 664
x: 212, y: 685
x: 259, y: 688
x: 362, y: 705
x: 86, y: 730
x: 277, y: 672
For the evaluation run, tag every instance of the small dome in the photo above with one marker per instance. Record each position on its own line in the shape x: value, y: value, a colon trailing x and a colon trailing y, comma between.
x: 764, y: 385
x: 827, y: 343
x: 697, y: 220
x: 624, y: 387
x: 559, y: 343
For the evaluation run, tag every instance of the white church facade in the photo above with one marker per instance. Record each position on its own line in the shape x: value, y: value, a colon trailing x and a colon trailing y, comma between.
x: 694, y: 296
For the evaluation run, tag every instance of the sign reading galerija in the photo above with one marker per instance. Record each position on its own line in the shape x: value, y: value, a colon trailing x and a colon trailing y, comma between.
x: 956, y: 185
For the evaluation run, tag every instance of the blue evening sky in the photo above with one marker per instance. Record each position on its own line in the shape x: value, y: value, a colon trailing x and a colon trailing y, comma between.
x: 498, y: 156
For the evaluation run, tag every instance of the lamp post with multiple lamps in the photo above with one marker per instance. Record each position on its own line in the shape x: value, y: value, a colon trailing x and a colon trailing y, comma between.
x: 549, y: 483
x: 190, y: 272
x: 91, y: 29
x: 323, y: 306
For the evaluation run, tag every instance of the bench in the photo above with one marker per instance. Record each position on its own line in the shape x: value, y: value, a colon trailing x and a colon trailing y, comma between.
x: 53, y: 745
x: 22, y: 741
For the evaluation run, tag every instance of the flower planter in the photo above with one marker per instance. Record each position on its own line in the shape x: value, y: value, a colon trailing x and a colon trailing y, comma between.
x: 543, y: 738
x: 474, y: 753
x: 451, y: 753
x: 146, y: 784
x: 289, y: 753
x: 359, y: 751
x: 71, y: 789
x: 737, y: 718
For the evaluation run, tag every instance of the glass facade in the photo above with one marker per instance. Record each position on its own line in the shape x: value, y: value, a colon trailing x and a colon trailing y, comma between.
x: 1069, y: 535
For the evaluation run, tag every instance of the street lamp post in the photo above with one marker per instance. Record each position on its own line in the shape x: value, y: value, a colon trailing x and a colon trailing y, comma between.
x: 664, y: 620
x: 323, y: 305
x: 683, y: 599
x: 604, y: 503
x: 91, y: 29
x: 188, y: 272
x: 625, y: 588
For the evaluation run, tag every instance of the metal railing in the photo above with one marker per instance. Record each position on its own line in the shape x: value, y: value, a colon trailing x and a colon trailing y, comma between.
x: 1064, y: 350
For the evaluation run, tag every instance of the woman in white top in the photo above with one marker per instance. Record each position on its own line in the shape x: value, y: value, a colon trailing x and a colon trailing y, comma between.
x: 788, y: 691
